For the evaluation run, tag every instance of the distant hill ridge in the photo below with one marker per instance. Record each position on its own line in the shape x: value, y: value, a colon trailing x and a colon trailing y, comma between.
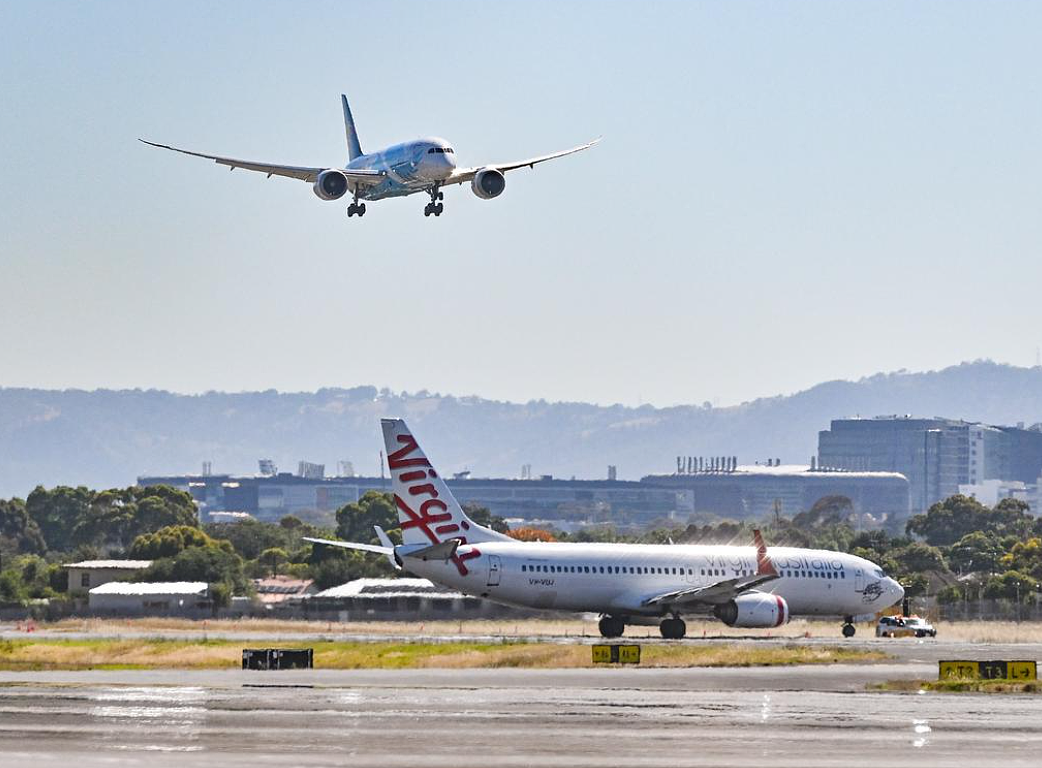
x: 108, y: 437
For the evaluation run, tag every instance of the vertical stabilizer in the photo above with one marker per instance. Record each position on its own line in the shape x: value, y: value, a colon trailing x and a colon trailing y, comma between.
x: 354, y: 149
x: 427, y: 510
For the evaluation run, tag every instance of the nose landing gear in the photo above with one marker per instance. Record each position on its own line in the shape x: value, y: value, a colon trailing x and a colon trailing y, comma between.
x: 434, y: 207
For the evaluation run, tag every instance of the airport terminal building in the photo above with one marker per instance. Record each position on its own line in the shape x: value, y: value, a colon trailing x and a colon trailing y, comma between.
x: 740, y: 492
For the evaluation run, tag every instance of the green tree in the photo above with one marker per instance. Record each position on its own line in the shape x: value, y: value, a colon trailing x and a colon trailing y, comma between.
x: 272, y: 557
x: 212, y: 564
x: 826, y: 511
x: 171, y: 541
x: 976, y: 552
x: 918, y: 557
x: 355, y: 521
x: 949, y: 520
x: 1011, y: 585
x: 483, y: 516
x: 56, y: 513
x: 1024, y: 557
x: 19, y: 533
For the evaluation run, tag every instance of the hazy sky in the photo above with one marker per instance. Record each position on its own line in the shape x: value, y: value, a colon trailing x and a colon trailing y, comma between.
x: 786, y: 193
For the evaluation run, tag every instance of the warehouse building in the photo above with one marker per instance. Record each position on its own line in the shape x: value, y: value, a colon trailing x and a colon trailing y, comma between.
x: 190, y: 599
x: 87, y: 574
x: 396, y: 600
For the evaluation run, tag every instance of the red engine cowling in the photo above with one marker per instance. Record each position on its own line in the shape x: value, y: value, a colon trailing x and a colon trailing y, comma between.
x: 754, y: 609
x: 330, y: 185
x: 488, y: 183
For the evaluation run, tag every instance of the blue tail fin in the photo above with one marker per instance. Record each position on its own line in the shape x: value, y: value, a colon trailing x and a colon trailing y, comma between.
x: 353, y: 147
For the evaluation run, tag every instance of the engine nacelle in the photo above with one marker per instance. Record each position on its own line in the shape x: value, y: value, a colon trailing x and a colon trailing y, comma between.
x: 488, y: 183
x: 331, y: 185
x: 755, y: 609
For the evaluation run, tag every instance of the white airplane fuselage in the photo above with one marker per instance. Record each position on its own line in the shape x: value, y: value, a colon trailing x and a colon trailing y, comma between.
x: 410, y: 167
x: 613, y: 578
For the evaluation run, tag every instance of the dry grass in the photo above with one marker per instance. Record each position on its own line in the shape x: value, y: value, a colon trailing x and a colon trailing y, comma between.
x: 117, y: 654
x: 970, y: 631
x: 552, y: 627
x: 958, y: 686
x: 41, y: 654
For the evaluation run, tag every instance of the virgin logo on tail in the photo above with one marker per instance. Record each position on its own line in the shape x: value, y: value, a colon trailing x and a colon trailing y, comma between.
x: 433, y: 519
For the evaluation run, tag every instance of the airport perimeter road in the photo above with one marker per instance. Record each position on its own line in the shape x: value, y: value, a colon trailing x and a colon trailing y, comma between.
x: 435, y: 718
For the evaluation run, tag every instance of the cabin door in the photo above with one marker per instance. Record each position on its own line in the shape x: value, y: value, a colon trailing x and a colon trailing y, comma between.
x: 859, y: 580
x: 493, y: 570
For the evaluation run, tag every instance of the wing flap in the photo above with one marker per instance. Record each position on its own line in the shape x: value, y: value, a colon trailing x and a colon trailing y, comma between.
x: 303, y: 173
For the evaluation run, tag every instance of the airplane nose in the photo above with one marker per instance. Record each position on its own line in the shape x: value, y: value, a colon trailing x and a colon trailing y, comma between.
x: 896, y: 590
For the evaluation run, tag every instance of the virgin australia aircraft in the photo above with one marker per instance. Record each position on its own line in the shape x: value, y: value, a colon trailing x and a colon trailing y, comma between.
x: 625, y: 583
x: 425, y: 165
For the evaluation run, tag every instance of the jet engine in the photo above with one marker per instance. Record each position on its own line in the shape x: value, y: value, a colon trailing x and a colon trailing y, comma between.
x: 488, y: 183
x: 754, y: 609
x: 330, y: 185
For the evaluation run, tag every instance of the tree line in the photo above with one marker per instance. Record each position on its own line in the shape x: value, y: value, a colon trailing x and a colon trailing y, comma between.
x: 959, y: 549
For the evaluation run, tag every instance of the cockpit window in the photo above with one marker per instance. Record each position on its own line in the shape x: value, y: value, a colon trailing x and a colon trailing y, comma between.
x: 879, y: 573
x: 440, y: 151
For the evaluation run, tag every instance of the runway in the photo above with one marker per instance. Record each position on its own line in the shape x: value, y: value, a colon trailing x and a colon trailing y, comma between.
x: 795, y: 716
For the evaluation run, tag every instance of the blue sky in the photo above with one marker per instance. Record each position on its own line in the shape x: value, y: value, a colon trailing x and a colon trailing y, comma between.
x: 786, y: 193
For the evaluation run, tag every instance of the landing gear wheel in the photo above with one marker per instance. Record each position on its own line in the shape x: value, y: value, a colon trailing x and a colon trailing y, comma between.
x: 673, y: 629
x: 611, y: 626
x: 361, y: 209
x: 434, y: 207
x: 356, y: 209
x: 848, y: 630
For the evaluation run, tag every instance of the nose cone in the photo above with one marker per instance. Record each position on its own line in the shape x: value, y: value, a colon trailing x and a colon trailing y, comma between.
x: 896, y: 591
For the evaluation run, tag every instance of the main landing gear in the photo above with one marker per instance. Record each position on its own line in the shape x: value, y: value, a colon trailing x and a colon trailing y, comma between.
x: 356, y: 209
x: 436, y: 208
x: 673, y: 629
x: 611, y: 626
x: 848, y: 626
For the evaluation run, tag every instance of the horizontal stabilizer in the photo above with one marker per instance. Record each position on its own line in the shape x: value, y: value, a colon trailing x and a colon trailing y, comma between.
x: 352, y: 545
x: 444, y: 550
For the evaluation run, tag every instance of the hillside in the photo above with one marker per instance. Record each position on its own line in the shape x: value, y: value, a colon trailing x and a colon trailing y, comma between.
x: 107, y: 438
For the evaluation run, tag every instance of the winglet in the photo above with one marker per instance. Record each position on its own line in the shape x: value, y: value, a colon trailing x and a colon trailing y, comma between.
x: 764, y: 566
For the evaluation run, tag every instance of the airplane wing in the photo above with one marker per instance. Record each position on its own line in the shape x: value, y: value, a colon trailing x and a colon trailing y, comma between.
x: 713, y: 594
x: 289, y: 171
x: 461, y: 175
x: 721, y: 591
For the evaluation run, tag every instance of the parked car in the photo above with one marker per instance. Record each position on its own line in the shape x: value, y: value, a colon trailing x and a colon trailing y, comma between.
x: 904, y: 626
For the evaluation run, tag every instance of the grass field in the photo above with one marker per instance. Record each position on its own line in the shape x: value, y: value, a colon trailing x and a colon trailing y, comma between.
x: 48, y: 653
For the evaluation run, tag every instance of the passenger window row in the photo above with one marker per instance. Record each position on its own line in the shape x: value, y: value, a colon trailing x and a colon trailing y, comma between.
x: 678, y: 571
x: 671, y: 571
x: 813, y: 574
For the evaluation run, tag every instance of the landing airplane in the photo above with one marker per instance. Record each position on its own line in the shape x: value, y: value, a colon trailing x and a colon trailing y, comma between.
x: 425, y: 165
x: 625, y: 583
